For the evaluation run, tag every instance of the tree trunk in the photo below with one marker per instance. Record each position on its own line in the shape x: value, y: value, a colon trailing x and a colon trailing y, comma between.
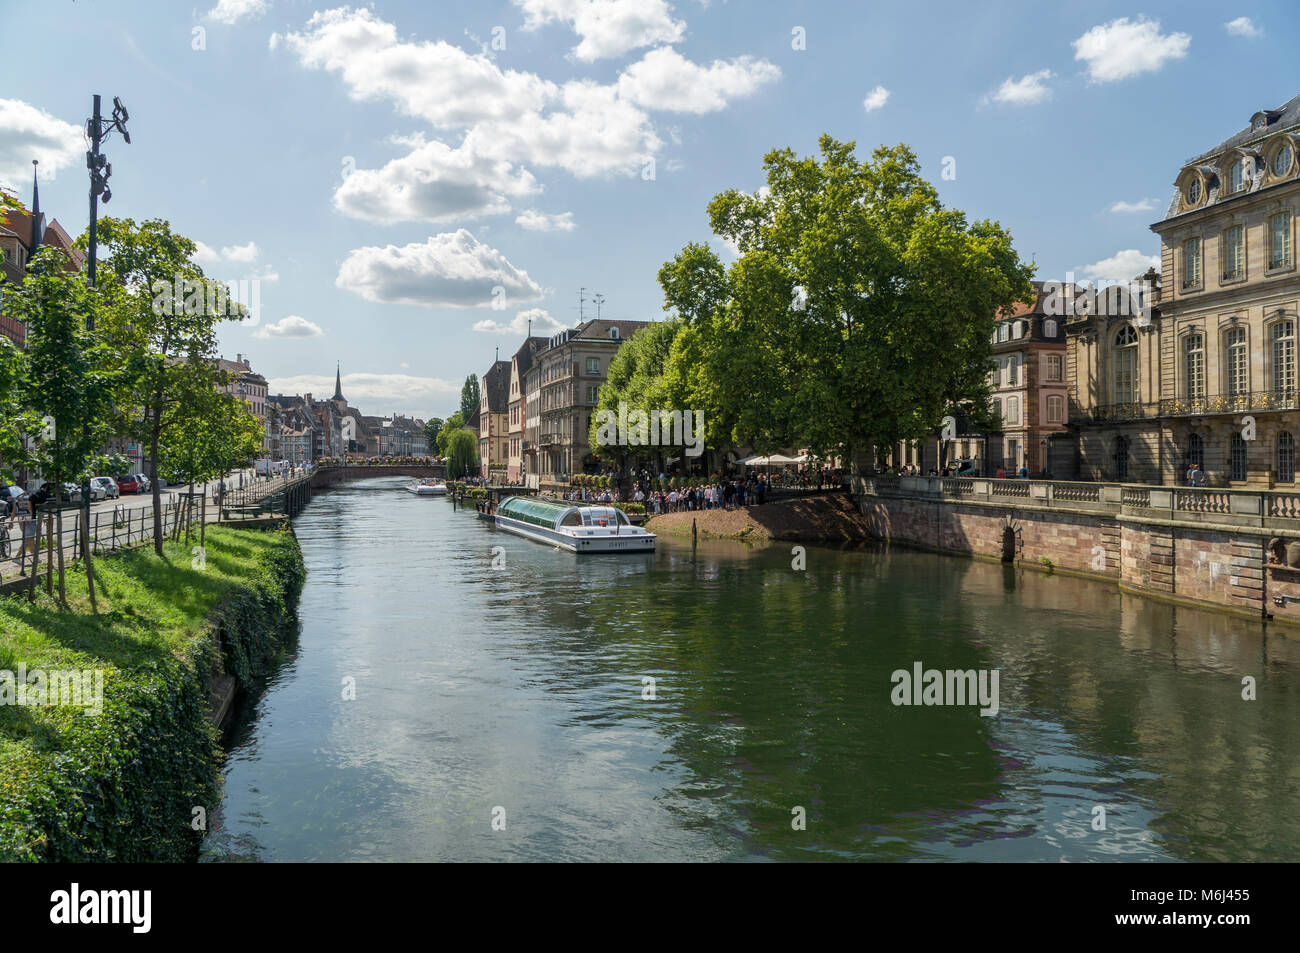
x: 203, y: 518
x: 189, y: 512
x: 156, y: 486
x: 58, y: 535
x: 87, y: 551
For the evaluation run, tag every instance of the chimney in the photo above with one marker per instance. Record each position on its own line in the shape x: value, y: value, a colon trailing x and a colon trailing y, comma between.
x: 239, y: 359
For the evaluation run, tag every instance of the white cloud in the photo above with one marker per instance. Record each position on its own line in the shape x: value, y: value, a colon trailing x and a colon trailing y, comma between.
x: 433, y: 183
x: 608, y: 27
x: 543, y: 324
x: 1243, y: 26
x: 375, y: 393
x: 510, y: 117
x: 875, y: 99
x: 536, y: 221
x: 230, y: 256
x: 595, y: 133
x: 663, y: 79
x: 435, y: 81
x: 232, y: 11
x: 28, y: 132
x: 1123, y: 48
x: 451, y: 270
x: 1028, y: 90
x: 1142, y: 205
x: 1121, y: 266
x: 291, y: 326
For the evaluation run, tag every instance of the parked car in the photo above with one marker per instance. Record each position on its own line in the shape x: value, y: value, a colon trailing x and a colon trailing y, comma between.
x: 145, y: 484
x: 128, y: 483
x: 103, y: 488
x: 71, y: 493
x: 15, y: 495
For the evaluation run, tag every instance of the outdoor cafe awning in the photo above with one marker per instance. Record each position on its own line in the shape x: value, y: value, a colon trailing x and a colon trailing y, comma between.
x: 775, y: 460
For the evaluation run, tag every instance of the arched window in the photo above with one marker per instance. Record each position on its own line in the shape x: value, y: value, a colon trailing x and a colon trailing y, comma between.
x: 1121, y: 459
x: 1237, y: 365
x: 1195, y: 451
x: 1124, y: 366
x: 1194, y: 365
x: 1285, y: 457
x: 1284, y: 357
x: 1237, y: 458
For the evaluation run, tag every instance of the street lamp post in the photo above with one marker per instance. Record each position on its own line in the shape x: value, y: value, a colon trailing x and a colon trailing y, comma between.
x: 98, y: 130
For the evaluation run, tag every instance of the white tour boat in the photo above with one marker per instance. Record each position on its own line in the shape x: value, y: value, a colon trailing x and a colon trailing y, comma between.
x: 427, y: 487
x: 577, y: 527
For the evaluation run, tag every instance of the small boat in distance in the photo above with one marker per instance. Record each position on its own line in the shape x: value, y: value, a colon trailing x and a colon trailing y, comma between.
x: 428, y: 487
x: 579, y: 528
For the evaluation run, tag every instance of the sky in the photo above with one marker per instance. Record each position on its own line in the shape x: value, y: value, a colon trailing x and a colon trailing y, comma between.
x: 408, y: 183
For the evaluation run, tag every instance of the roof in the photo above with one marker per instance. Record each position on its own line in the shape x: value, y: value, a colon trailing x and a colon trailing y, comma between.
x: 523, y: 358
x: 1286, y: 118
x: 599, y: 328
x: 496, y: 387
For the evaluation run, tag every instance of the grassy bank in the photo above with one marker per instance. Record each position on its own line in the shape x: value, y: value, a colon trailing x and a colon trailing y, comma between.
x: 122, y: 785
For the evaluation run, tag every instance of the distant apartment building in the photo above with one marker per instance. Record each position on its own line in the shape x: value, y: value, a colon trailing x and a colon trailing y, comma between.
x: 571, y: 368
x: 246, y: 384
x: 493, y: 422
x: 520, y: 365
x: 1029, y: 389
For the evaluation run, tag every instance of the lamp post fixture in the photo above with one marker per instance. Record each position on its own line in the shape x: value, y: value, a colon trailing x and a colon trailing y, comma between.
x: 98, y: 129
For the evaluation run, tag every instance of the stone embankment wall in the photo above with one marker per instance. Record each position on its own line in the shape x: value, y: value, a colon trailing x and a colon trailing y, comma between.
x: 1202, y: 546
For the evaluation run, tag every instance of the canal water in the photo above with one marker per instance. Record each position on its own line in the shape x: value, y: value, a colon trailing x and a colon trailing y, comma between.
x: 510, y: 685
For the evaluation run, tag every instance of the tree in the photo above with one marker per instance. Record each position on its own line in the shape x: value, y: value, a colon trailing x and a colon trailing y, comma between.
x: 469, y: 398
x: 462, y: 454
x: 636, y: 379
x: 432, y: 428
x: 210, y: 431
x: 858, y: 314
x: 71, y: 383
x: 163, y: 314
x: 453, y: 423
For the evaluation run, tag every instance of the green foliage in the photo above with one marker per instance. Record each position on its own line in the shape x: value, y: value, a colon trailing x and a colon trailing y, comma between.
x: 469, y: 398
x: 462, y: 454
x: 208, y: 432
x: 71, y: 381
x: 121, y: 785
x: 636, y: 377
x: 453, y: 423
x: 432, y: 428
x: 859, y: 312
x: 163, y: 344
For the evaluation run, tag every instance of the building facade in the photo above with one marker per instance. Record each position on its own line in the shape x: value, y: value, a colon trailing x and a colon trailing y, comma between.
x: 1210, y: 378
x: 1029, y: 388
x: 493, y: 422
x: 520, y: 365
x: 572, y: 367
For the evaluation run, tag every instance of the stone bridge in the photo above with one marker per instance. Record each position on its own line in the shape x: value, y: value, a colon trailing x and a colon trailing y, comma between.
x: 329, y: 475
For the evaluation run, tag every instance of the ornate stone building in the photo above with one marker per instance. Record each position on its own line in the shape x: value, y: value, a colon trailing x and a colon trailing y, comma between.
x: 1208, y: 375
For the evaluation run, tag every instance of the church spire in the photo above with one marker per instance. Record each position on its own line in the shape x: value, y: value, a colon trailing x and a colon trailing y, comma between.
x: 38, y: 232
x: 338, y: 383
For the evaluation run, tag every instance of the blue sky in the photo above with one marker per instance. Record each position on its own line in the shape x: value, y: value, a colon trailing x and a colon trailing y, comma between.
x: 391, y: 172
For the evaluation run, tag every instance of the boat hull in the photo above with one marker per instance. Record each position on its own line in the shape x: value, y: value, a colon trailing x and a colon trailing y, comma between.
x: 427, y: 490
x: 603, y: 543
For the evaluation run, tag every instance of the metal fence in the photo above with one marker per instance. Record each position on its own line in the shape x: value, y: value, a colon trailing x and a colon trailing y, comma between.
x: 27, y: 543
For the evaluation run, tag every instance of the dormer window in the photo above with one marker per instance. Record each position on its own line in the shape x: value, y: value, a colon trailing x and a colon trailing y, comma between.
x: 613, y: 334
x: 1193, y: 191
x: 1235, y: 176
x: 1282, y: 160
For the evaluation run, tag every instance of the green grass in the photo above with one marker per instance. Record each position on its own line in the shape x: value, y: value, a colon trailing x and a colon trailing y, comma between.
x: 121, y: 785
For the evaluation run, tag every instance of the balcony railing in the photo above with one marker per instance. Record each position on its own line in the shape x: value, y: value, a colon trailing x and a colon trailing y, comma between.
x: 1279, y: 508
x: 1260, y: 400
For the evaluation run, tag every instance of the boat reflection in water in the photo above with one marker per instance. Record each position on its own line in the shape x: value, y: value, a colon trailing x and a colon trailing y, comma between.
x: 577, y: 528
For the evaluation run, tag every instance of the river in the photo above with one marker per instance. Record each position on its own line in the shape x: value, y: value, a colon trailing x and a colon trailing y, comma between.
x: 501, y: 708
